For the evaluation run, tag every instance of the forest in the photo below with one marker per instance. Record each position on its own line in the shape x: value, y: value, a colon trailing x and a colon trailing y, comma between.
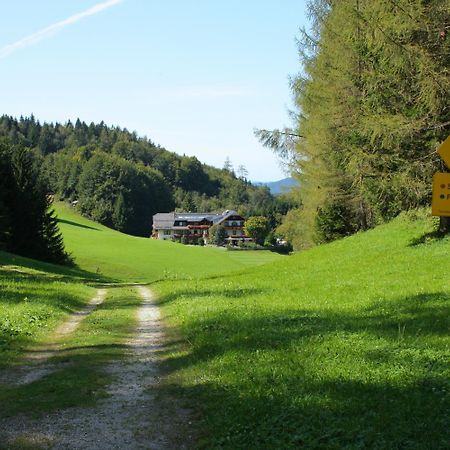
x: 121, y: 180
x: 371, y: 107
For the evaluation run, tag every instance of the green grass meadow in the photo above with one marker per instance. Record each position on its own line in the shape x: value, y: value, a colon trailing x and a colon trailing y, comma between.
x: 33, y: 301
x: 342, y: 346
x: 121, y: 257
x: 35, y: 297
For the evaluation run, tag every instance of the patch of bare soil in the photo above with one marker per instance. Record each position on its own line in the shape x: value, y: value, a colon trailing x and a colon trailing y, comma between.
x: 131, y: 417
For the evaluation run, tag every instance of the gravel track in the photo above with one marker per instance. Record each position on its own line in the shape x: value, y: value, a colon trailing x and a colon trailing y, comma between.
x: 131, y: 417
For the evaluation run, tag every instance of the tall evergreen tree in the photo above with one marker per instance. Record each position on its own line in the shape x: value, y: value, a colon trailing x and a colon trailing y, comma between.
x: 372, y: 105
x: 29, y: 226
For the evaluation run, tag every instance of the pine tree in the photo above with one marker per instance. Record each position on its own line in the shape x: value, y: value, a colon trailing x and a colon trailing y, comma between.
x: 31, y: 227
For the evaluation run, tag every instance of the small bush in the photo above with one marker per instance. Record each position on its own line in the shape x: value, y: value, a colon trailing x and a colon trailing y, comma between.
x: 201, y: 242
x: 184, y: 240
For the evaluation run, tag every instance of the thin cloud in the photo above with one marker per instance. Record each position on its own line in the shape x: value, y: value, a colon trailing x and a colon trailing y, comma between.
x: 55, y: 28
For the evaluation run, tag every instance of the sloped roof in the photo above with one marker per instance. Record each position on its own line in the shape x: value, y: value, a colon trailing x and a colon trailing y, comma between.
x: 167, y: 220
x: 225, y: 215
x: 163, y: 220
x: 195, y: 217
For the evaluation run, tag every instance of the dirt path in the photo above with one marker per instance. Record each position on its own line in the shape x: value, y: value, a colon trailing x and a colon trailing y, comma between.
x: 130, y: 418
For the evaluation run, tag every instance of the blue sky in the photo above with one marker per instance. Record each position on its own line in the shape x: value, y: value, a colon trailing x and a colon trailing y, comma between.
x: 194, y: 76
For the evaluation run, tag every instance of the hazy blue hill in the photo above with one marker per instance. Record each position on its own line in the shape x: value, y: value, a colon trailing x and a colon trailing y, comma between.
x: 280, y: 186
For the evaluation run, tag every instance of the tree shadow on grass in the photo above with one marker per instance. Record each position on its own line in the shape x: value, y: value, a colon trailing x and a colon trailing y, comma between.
x: 314, y: 414
x: 391, y: 320
x: 76, y: 375
x: 15, y: 266
x: 80, y: 384
x: 76, y: 224
x: 287, y: 402
x: 428, y: 238
x: 214, y: 294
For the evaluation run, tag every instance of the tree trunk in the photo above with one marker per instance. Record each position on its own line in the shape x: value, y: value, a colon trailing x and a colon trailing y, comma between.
x: 444, y: 225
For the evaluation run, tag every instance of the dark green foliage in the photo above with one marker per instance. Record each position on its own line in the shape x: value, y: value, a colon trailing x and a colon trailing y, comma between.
x: 188, y: 203
x: 121, y: 194
x: 121, y: 180
x: 334, y: 221
x: 27, y: 225
x: 217, y: 235
x: 283, y: 249
x: 270, y: 239
x: 6, y: 192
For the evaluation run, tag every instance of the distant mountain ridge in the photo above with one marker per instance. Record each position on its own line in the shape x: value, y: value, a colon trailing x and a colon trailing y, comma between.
x: 280, y: 186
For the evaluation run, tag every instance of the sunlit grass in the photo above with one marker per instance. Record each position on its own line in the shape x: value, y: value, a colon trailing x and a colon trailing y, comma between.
x: 118, y: 256
x: 36, y: 296
x: 32, y: 304
x: 343, y: 346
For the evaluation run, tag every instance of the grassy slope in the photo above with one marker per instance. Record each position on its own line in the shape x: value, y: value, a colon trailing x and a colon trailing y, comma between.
x: 36, y: 296
x: 342, y: 346
x: 121, y: 257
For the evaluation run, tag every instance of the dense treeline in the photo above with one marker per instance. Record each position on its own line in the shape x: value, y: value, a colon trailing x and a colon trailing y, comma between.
x: 121, y: 180
x: 28, y: 226
x: 372, y: 106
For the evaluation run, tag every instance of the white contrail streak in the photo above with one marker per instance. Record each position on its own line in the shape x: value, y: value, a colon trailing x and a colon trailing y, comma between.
x: 55, y: 28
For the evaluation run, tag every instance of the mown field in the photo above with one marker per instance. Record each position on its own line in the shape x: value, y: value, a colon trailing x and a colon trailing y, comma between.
x: 343, y: 346
x: 121, y: 257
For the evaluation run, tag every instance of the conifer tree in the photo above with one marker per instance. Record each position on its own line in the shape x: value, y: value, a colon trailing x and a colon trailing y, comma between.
x: 372, y: 105
x: 29, y: 227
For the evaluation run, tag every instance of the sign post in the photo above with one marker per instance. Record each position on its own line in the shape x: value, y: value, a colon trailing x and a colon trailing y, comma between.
x: 440, y: 204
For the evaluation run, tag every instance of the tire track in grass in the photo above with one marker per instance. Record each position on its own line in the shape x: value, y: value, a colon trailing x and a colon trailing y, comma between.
x: 132, y: 416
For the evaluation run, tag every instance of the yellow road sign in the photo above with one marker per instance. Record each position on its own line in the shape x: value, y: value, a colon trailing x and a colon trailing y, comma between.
x: 444, y: 151
x: 440, y: 205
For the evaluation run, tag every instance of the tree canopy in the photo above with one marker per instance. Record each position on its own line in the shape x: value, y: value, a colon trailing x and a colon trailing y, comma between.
x: 371, y: 107
x: 121, y: 180
x: 257, y: 228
